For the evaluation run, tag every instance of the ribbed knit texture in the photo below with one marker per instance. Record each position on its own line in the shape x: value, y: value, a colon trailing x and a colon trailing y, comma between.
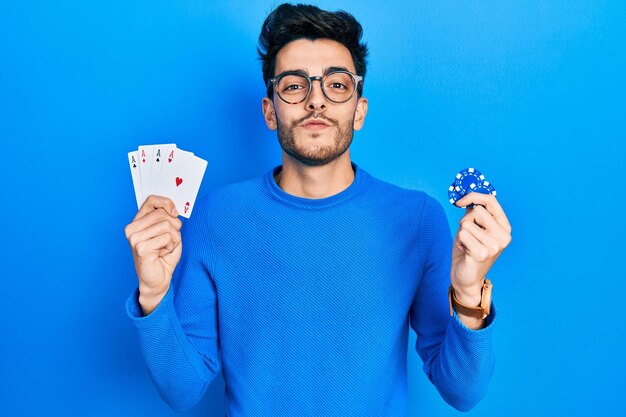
x: 307, y: 303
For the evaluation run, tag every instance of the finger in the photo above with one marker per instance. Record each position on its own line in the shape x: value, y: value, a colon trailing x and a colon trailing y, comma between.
x: 486, y: 240
x: 458, y: 243
x: 472, y: 246
x: 153, y: 246
x: 490, y: 203
x: 157, y: 216
x: 154, y: 202
x: 153, y: 231
x: 169, y: 248
x: 148, y: 220
x: 480, y: 216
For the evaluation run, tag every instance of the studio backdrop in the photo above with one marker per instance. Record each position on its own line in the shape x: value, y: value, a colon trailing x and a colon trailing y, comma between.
x: 532, y: 93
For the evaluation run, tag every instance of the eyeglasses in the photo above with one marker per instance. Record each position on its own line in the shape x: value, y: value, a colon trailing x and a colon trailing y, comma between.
x: 294, y: 87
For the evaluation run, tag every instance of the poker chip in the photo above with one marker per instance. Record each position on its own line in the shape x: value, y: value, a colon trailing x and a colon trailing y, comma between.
x: 469, y: 180
x: 467, y: 177
x: 483, y: 187
x: 453, y: 196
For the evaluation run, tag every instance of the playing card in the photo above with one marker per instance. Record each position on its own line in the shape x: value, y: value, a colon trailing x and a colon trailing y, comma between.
x: 180, y: 179
x: 159, y: 153
x: 133, y: 161
x: 145, y: 166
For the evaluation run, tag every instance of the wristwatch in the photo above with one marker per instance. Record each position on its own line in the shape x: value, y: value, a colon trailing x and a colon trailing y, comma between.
x: 479, y: 312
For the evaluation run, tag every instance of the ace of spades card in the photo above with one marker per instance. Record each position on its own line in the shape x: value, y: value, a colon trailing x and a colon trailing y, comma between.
x: 133, y: 161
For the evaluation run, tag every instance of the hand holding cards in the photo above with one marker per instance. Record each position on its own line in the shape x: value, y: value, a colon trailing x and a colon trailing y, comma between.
x: 167, y: 171
x: 155, y: 239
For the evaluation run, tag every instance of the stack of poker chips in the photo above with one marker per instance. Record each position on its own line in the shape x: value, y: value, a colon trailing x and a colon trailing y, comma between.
x: 467, y: 181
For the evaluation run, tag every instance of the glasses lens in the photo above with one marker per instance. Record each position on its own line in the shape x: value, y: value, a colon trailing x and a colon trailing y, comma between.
x: 338, y: 86
x: 293, y: 88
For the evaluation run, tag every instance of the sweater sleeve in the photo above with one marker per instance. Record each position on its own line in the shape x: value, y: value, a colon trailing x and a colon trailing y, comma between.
x: 459, y: 361
x: 179, y: 339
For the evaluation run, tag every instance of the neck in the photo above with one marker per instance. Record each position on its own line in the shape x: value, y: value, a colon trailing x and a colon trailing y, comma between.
x: 315, y: 182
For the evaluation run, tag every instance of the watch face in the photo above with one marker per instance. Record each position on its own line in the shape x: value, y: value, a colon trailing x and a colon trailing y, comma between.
x: 486, y: 296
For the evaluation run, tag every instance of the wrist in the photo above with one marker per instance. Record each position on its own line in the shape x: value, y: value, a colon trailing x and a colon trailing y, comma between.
x: 469, y: 295
x: 467, y: 306
x: 153, y: 291
x: 149, y: 299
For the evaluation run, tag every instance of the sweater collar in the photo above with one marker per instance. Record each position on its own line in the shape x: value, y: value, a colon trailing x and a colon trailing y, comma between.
x: 279, y: 194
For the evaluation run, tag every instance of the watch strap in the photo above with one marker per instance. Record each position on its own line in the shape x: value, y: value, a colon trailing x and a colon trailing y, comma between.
x: 479, y: 312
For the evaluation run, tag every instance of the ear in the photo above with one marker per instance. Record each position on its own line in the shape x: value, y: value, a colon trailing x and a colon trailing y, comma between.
x: 269, y: 114
x: 360, y: 113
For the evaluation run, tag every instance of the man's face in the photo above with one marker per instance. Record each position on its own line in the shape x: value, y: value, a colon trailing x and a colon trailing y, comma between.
x: 316, y: 131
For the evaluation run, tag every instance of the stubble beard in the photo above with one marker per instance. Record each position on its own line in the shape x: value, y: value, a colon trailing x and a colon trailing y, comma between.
x: 315, y: 155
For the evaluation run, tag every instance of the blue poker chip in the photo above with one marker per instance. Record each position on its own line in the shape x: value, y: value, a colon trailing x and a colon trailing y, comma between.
x: 469, y: 180
x: 453, y: 196
x: 483, y: 187
x: 467, y: 177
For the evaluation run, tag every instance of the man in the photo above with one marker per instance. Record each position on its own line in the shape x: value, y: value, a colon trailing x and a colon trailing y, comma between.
x: 302, y: 284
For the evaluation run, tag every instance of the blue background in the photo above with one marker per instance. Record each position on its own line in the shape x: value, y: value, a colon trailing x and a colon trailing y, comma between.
x: 532, y: 93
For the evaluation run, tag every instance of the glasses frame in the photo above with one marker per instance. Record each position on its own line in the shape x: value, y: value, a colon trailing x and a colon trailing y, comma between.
x: 274, y: 83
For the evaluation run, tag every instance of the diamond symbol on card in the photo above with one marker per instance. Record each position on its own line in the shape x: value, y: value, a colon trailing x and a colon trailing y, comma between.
x: 178, y: 181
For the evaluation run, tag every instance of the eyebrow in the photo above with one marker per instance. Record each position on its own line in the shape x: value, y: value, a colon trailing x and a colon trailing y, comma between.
x: 331, y: 69
x: 325, y: 71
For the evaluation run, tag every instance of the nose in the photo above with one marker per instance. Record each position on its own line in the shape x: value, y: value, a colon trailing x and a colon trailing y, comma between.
x: 316, y: 99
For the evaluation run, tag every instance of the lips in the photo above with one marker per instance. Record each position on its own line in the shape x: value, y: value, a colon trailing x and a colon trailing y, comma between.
x: 314, y: 124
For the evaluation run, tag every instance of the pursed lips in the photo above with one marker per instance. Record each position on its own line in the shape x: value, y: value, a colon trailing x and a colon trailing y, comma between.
x: 314, y: 124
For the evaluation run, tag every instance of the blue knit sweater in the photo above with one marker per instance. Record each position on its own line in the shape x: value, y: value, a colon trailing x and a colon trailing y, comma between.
x: 306, y: 304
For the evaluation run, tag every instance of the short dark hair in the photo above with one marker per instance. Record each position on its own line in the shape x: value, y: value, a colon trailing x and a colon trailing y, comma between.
x: 289, y: 22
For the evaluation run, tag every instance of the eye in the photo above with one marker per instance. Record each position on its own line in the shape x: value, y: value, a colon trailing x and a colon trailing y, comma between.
x: 337, y: 86
x: 293, y: 87
x: 293, y: 84
x: 338, y: 82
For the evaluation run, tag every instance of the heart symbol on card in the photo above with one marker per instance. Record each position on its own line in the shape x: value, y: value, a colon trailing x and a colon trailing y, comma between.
x: 169, y: 160
x: 178, y: 181
x: 186, y: 207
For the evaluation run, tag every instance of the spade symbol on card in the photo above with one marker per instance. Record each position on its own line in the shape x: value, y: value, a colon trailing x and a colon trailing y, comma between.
x: 134, y: 165
x: 186, y: 207
x: 178, y: 181
x: 158, y: 160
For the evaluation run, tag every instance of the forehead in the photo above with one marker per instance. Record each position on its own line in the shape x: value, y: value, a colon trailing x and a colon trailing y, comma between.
x: 313, y: 56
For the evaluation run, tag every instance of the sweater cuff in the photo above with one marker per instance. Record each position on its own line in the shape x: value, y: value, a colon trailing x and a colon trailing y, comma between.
x: 468, y: 333
x: 135, y: 312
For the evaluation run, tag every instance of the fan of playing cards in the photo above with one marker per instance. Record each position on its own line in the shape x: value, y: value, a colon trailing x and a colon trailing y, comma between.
x: 167, y: 171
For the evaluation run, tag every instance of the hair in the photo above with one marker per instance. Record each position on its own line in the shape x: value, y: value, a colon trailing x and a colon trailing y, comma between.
x: 289, y: 22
